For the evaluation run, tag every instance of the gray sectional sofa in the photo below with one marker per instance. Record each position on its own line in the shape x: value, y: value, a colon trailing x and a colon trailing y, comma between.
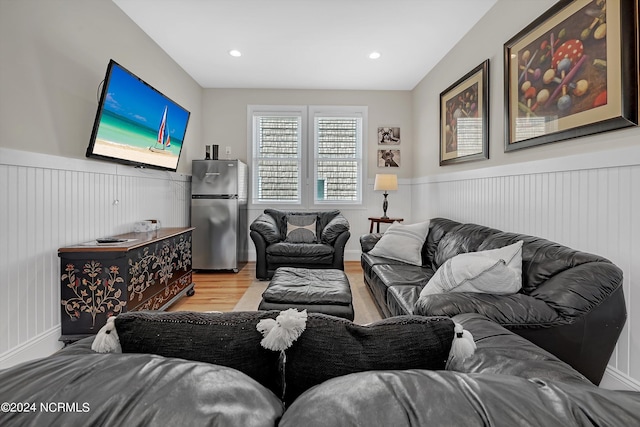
x: 508, y: 381
x: 571, y: 303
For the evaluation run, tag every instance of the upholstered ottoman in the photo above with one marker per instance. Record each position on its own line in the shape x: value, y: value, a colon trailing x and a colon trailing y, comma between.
x: 321, y: 291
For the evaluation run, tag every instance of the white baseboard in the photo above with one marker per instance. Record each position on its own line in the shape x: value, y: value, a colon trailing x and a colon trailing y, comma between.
x: 352, y: 255
x: 39, y: 346
x: 616, y: 380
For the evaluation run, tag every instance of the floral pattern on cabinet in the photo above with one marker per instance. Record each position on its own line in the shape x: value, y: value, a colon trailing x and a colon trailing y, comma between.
x: 99, y: 282
x: 92, y: 294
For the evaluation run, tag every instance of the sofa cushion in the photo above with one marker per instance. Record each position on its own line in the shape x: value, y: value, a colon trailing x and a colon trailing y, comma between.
x: 408, y: 398
x: 299, y: 253
x: 495, y: 271
x: 324, y: 218
x: 402, y: 242
x: 385, y: 276
x: 438, y: 228
x: 402, y: 299
x: 500, y: 351
x: 330, y: 347
x: 541, y: 258
x: 280, y: 217
x: 267, y: 227
x: 402, y: 274
x: 301, y: 229
x: 227, y: 339
x: 334, y: 228
x: 368, y: 241
x: 515, y: 311
x: 135, y: 390
x: 460, y: 239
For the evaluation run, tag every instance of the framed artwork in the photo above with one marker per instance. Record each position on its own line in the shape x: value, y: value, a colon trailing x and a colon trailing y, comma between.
x: 572, y: 72
x: 464, y: 118
x: 388, y: 158
x: 389, y: 136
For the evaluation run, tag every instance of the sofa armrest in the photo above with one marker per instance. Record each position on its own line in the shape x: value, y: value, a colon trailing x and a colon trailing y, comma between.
x: 500, y: 351
x: 261, y: 255
x: 368, y: 241
x: 267, y: 227
x: 516, y: 310
x: 576, y: 291
x: 338, y: 250
x: 338, y: 225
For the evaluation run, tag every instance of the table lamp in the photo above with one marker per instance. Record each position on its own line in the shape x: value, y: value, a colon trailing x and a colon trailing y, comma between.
x: 385, y: 182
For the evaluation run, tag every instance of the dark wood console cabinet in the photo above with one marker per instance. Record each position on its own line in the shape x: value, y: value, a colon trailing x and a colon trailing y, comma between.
x: 149, y: 271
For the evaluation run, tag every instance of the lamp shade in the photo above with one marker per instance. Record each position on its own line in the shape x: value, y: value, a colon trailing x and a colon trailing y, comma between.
x: 385, y: 182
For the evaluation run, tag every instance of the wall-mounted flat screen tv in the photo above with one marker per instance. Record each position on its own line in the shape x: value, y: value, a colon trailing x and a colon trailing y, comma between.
x: 136, y: 124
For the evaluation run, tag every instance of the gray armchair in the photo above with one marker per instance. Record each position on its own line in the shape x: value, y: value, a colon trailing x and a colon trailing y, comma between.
x: 298, y: 239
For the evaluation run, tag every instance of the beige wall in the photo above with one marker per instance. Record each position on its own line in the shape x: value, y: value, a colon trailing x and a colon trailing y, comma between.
x: 54, y: 56
x: 225, y: 117
x: 225, y: 123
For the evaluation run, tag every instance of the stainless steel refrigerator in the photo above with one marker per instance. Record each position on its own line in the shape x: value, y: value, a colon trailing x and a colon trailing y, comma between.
x: 219, y: 214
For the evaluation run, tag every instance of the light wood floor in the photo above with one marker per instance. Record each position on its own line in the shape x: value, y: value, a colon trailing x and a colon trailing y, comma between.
x: 221, y: 291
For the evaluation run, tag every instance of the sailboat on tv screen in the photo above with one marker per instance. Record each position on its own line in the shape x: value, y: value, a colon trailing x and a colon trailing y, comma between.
x: 164, y: 139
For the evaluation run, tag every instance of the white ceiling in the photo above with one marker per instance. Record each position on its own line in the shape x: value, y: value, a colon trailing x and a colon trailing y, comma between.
x: 306, y: 44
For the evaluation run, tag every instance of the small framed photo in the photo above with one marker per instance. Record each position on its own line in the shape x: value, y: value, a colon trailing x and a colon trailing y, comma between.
x: 388, y: 158
x: 389, y: 135
x: 464, y: 118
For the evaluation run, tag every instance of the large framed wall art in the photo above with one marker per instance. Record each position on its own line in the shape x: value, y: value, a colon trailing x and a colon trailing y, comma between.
x: 572, y: 72
x: 464, y: 118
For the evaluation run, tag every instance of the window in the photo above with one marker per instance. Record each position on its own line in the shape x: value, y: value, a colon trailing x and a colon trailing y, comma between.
x: 277, y: 157
x: 293, y: 163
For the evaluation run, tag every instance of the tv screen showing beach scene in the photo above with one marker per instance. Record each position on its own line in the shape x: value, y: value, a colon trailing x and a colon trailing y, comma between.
x: 136, y: 124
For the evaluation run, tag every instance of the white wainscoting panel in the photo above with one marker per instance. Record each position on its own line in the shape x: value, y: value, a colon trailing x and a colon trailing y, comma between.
x: 589, y: 208
x: 47, y: 202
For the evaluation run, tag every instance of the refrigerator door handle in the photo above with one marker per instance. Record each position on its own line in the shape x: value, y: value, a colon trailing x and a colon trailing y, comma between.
x: 212, y: 174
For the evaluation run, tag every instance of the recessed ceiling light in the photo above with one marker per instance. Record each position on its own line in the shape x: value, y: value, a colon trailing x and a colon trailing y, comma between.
x: 235, y: 53
x: 374, y: 55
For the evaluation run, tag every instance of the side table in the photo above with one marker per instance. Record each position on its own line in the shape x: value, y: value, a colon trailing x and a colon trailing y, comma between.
x: 378, y: 220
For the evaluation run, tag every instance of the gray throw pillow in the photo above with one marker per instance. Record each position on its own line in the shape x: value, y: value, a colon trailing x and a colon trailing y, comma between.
x: 331, y: 347
x: 301, y: 229
x: 226, y: 339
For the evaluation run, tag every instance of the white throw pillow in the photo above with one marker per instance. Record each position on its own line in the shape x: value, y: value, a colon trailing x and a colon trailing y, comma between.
x: 495, y: 271
x: 402, y: 242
